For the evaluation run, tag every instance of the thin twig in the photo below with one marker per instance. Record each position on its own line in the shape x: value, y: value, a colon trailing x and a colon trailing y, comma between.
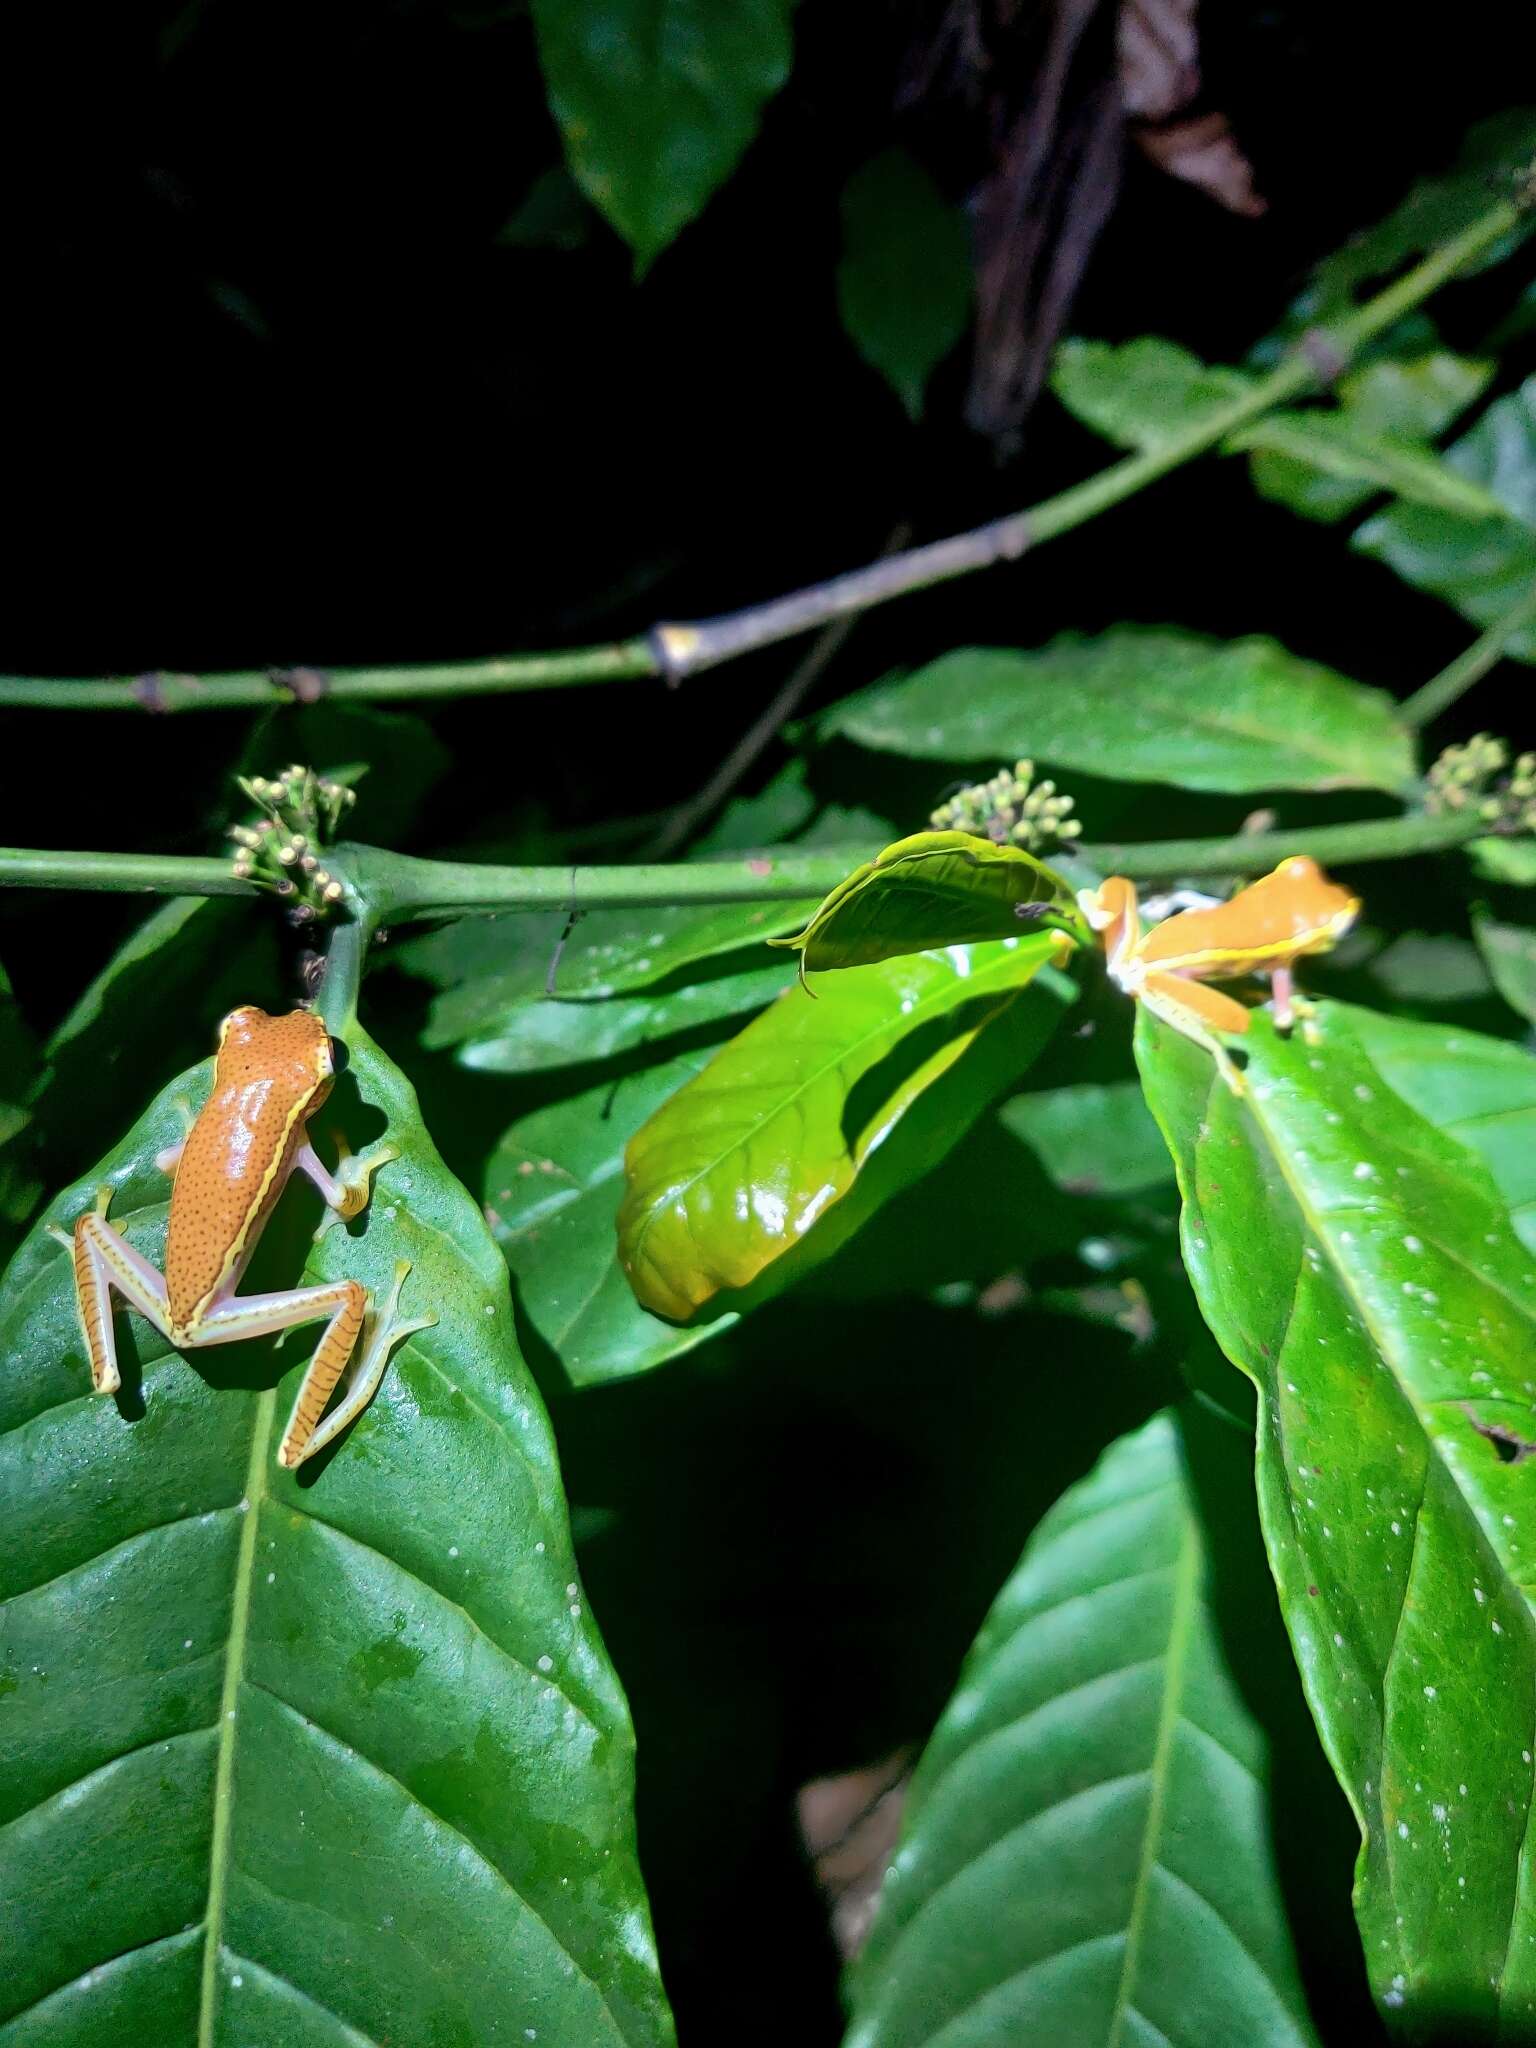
x: 765, y: 728
x: 1469, y: 667
x: 678, y: 650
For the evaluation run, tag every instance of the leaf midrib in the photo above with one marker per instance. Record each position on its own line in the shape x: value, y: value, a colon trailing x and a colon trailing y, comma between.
x: 234, y: 1673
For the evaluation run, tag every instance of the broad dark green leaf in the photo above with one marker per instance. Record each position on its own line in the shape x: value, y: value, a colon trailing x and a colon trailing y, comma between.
x: 1092, y: 1137
x: 1410, y: 398
x: 19, y: 1187
x: 145, y: 1016
x: 392, y: 758
x: 489, y: 967
x: 731, y: 1173
x: 1480, y: 1091
x: 657, y: 100
x: 932, y: 889
x: 326, y: 1762
x: 1142, y: 705
x: 1362, y: 1268
x: 552, y: 215
x: 536, y: 1034
x: 904, y: 283
x: 1144, y: 393
x: 1367, y: 461
x: 1086, y: 1855
x: 1483, y: 568
x: 1510, y: 952
x: 553, y: 1186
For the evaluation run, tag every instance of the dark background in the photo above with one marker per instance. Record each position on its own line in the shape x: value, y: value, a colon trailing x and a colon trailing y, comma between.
x: 277, y: 394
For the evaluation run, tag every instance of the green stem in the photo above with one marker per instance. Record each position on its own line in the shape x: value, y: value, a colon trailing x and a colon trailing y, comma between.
x: 394, y: 888
x: 345, y: 957
x: 155, y: 874
x: 679, y: 650
x: 1255, y: 853
x: 1469, y: 667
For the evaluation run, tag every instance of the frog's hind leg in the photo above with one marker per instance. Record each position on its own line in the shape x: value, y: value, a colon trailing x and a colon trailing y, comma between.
x: 1198, y: 1012
x: 384, y: 1335
x: 106, y: 1263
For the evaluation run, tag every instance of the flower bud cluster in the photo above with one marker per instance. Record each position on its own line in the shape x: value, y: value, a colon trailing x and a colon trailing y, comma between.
x: 1012, y: 809
x: 1471, y: 778
x: 282, y: 851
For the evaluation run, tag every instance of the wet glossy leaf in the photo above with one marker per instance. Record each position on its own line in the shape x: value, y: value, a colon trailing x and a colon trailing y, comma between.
x: 1142, y: 705
x: 657, y: 100
x: 488, y: 968
x: 537, y: 1034
x: 729, y: 1175
x: 1086, y: 1854
x: 1480, y: 1091
x: 932, y: 889
x: 1361, y: 1267
x: 322, y: 1761
x: 1341, y: 450
x: 1092, y: 1138
x: 555, y: 1181
x: 904, y: 283
x: 1484, y: 568
x: 1143, y: 393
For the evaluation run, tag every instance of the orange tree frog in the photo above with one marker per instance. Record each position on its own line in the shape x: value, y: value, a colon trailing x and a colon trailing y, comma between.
x: 270, y: 1076
x: 1265, y: 928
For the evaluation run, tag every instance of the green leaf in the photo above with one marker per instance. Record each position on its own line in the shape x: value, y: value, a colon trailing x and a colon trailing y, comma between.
x: 552, y: 215
x: 932, y: 889
x: 19, y: 1185
x: 555, y: 1180
x: 1509, y: 861
x: 145, y: 1016
x: 730, y: 1174
x: 1092, y: 1138
x: 553, y: 1185
x: 535, y: 1034
x: 304, y: 1762
x: 1143, y: 394
x: 1336, y: 447
x: 1480, y: 1091
x: 1360, y: 1266
x: 489, y: 968
x: 1510, y: 953
x: 657, y: 100
x: 1494, y: 153
x: 1419, y: 394
x: 1483, y: 569
x: 1139, y: 704
x: 904, y: 283
x: 1086, y: 1856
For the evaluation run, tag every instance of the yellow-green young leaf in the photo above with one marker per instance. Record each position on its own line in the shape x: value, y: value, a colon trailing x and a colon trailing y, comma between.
x: 1086, y: 1858
x: 1139, y: 704
x: 731, y: 1173
x: 326, y: 1759
x: 1361, y: 1266
x: 933, y: 889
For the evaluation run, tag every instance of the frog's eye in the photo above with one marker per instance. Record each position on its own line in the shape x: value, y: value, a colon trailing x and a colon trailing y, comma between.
x: 336, y: 1056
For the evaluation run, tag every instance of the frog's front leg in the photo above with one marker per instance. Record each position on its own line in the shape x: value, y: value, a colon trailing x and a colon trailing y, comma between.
x: 1199, y: 1012
x: 345, y: 1192
x: 105, y: 1262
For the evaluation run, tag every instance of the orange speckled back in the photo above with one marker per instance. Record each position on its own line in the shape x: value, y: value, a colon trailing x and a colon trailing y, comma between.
x: 1294, y: 910
x: 269, y: 1075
